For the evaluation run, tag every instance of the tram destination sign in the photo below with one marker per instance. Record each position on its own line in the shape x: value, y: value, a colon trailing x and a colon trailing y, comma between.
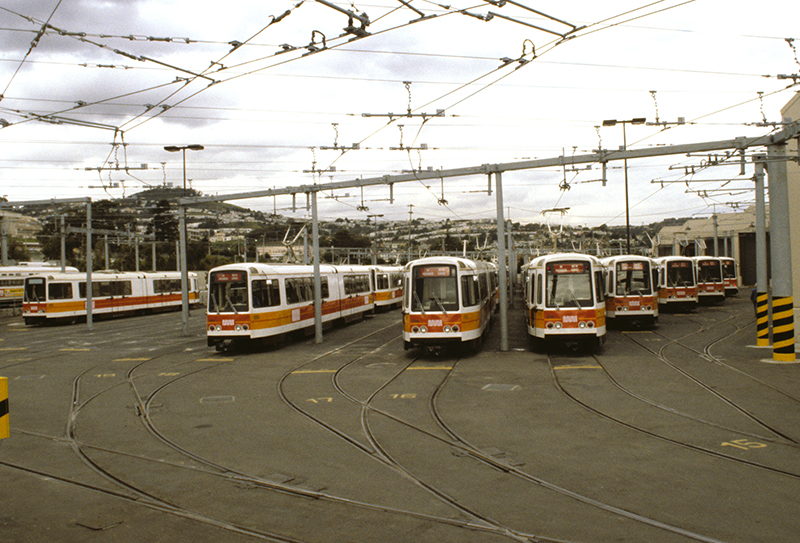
x: 434, y: 271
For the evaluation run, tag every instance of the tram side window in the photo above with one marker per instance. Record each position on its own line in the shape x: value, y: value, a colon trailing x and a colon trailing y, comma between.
x: 354, y: 284
x: 266, y: 293
x: 96, y: 290
x: 121, y: 288
x: 539, y: 289
x: 483, y: 287
x: 469, y: 296
x: 301, y: 289
x: 598, y: 286
x: 164, y: 286
x: 34, y: 290
x: 397, y: 280
x: 382, y: 281
x: 59, y: 291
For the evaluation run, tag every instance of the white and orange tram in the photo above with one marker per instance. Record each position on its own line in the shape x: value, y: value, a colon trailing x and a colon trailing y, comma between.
x: 53, y: 297
x: 630, y: 287
x: 564, y: 299
x: 388, y: 281
x: 447, y: 301
x: 265, y: 302
x: 710, y: 282
x: 677, y: 284
x: 12, y: 279
x: 730, y: 276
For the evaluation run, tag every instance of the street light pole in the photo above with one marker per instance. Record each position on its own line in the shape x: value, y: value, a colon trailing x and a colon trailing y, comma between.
x: 175, y: 149
x: 613, y: 122
x: 184, y: 265
x: 374, y: 244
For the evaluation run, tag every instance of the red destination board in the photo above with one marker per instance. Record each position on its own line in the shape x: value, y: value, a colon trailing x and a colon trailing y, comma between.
x: 679, y: 264
x: 631, y: 266
x: 227, y: 277
x: 569, y: 267
x: 434, y: 271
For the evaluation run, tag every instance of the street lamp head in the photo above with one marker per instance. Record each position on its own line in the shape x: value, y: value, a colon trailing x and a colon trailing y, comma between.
x: 638, y: 120
x: 610, y: 122
x: 175, y: 148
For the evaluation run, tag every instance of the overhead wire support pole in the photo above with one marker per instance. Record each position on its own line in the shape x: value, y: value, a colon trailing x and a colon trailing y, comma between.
x: 317, y: 278
x: 501, y: 261
x: 781, y: 257
x: 762, y: 279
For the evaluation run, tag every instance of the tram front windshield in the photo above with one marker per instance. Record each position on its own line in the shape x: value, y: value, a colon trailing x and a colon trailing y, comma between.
x: 708, y: 271
x: 434, y: 288
x: 227, y: 292
x: 728, y: 269
x: 569, y: 284
x: 633, y: 278
x: 34, y: 289
x: 679, y: 274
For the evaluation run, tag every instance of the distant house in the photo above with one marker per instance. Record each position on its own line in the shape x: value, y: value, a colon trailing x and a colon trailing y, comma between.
x: 19, y: 226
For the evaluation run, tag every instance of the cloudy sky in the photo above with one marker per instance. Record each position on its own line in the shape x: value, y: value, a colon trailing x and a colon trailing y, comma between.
x: 277, y: 89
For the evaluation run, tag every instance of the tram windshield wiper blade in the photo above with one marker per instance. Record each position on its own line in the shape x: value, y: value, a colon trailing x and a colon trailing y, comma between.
x: 438, y: 302
x: 421, y: 307
x: 229, y: 302
x: 216, y: 305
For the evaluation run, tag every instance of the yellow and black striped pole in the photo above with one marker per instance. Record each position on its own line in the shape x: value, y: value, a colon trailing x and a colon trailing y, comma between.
x: 762, y: 319
x: 5, y: 431
x: 783, y: 329
x: 780, y: 255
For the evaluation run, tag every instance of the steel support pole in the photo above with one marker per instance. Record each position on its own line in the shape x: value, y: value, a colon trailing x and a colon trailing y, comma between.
x: 317, y: 278
x: 716, y: 236
x: 3, y: 242
x: 89, y: 265
x: 501, y: 261
x: 762, y: 280
x: 184, y: 273
x: 63, y: 244
x: 781, y: 256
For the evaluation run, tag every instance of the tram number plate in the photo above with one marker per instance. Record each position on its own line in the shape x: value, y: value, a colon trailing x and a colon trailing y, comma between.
x: 633, y: 303
x: 227, y: 322
x: 432, y: 323
x: 570, y: 318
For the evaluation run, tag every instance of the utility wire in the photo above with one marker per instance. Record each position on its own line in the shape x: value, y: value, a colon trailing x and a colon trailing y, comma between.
x: 34, y: 43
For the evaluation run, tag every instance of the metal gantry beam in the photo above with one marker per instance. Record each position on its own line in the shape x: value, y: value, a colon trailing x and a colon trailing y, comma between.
x: 601, y: 156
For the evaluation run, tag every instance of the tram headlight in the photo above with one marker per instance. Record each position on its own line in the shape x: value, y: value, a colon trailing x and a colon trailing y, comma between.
x: 624, y: 307
x: 582, y: 324
x: 245, y: 327
x: 456, y: 329
x: 238, y: 327
x: 211, y: 328
x: 591, y: 324
x: 549, y: 325
x: 423, y: 329
x: 218, y: 328
x: 415, y: 329
x: 447, y: 329
x: 558, y: 326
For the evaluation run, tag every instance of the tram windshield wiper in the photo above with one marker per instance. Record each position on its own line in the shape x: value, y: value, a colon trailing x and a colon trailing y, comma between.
x: 419, y: 302
x: 574, y: 298
x: 216, y: 305
x: 229, y: 302
x: 438, y: 302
